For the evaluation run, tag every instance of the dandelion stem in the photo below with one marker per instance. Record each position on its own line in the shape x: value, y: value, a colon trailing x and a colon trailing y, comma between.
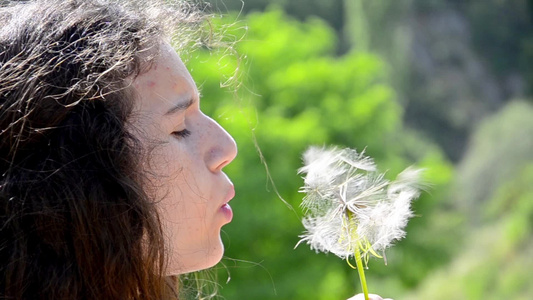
x: 361, y: 271
x: 357, y: 254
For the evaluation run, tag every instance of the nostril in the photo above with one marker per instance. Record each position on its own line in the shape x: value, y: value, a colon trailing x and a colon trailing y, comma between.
x: 223, y: 155
x: 223, y: 158
x: 222, y: 165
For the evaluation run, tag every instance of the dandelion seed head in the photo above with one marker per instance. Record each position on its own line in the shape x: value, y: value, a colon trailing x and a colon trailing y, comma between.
x: 350, y: 206
x: 328, y: 233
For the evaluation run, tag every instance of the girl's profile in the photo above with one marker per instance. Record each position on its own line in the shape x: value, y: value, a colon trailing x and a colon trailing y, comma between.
x: 111, y: 176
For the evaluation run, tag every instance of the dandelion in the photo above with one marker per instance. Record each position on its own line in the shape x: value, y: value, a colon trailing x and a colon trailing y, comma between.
x: 351, y: 210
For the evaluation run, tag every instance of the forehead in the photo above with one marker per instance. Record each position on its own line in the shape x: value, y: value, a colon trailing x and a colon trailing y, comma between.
x: 166, y: 84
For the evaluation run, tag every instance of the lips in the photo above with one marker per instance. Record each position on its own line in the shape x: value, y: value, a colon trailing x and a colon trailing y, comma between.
x: 225, y: 208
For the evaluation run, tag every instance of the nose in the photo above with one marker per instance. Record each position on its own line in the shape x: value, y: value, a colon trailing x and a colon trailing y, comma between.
x: 223, y: 148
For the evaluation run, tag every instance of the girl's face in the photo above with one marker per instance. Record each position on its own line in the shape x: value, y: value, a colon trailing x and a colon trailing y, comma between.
x: 188, y: 152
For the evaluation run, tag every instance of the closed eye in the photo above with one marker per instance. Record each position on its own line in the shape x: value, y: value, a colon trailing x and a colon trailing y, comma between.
x: 181, y: 134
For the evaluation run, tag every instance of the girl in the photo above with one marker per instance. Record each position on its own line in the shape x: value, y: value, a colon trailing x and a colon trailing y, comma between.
x: 111, y: 176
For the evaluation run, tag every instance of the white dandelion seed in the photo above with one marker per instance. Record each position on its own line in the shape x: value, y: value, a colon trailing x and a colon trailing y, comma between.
x: 351, y: 209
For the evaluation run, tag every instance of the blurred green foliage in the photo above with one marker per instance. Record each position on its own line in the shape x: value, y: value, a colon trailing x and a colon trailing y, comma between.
x: 495, y: 192
x: 498, y: 150
x: 452, y: 63
x: 295, y: 93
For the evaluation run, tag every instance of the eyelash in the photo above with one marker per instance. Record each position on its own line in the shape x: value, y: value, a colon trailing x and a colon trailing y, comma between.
x: 181, y: 134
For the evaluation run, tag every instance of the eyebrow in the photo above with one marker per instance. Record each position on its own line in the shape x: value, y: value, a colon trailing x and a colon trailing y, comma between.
x: 180, y: 107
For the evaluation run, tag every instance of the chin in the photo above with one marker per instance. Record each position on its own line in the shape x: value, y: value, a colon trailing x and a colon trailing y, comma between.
x: 200, y: 260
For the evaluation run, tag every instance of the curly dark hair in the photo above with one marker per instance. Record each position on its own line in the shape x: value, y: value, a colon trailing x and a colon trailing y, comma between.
x: 75, y: 222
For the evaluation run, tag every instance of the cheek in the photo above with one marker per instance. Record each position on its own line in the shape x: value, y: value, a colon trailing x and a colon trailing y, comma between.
x: 167, y: 160
x: 163, y: 171
x: 177, y: 174
x: 181, y: 211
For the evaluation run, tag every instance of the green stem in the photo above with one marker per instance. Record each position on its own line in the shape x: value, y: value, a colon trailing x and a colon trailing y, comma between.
x: 361, y: 271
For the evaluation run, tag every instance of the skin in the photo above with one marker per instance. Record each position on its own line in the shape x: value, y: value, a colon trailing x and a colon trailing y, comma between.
x: 188, y: 151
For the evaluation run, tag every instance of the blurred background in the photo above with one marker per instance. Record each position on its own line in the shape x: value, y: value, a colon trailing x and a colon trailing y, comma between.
x: 441, y: 84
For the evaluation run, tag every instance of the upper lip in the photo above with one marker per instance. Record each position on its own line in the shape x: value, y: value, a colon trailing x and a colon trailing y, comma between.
x: 230, y: 194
